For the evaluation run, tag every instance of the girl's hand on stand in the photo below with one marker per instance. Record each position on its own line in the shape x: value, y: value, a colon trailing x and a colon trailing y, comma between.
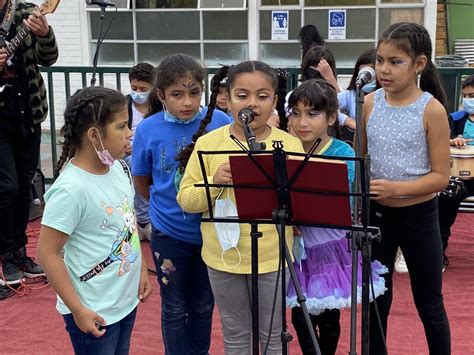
x: 223, y: 174
x: 382, y: 188
x: 459, y: 142
x: 89, y: 321
x: 144, y: 288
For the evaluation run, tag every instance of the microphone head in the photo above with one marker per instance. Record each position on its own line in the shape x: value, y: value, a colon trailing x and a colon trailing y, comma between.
x: 366, y: 75
x: 246, y: 115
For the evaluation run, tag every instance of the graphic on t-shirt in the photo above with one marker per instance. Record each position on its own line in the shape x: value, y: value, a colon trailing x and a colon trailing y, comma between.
x: 125, y: 248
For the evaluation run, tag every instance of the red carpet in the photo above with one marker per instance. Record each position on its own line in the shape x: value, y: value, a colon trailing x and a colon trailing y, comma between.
x: 31, y: 325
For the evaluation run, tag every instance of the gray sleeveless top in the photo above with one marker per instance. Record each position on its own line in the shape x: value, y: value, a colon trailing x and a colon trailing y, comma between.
x: 396, y: 139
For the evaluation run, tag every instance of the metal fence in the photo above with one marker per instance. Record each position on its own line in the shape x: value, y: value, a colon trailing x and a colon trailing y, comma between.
x: 451, y: 78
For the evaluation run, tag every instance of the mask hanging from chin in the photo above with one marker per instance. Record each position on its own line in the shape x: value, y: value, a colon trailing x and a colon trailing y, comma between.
x: 169, y: 117
x: 104, y: 155
x: 369, y: 87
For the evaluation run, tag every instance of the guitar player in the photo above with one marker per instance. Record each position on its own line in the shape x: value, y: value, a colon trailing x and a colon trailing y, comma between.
x: 23, y: 106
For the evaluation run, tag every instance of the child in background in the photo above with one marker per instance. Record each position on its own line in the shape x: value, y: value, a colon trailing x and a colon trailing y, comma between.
x: 89, y: 214
x: 326, y: 270
x: 222, y: 99
x: 186, y: 297
x: 406, y: 133
x: 251, y: 85
x: 142, y: 78
x: 347, y: 98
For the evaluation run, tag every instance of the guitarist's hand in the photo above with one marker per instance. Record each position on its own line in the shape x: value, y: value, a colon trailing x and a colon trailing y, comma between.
x: 37, y: 24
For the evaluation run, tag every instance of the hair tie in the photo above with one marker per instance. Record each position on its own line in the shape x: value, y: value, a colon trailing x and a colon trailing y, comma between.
x: 282, y: 72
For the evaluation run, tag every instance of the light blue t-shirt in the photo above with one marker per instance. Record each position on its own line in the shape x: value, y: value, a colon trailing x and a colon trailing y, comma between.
x: 102, y: 253
x: 156, y: 145
x: 469, y: 131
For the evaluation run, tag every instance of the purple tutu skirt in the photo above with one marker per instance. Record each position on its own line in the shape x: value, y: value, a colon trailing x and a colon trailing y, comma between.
x: 325, y: 275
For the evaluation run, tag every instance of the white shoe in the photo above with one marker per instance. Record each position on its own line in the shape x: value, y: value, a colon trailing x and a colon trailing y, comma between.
x: 400, y: 264
x: 144, y: 233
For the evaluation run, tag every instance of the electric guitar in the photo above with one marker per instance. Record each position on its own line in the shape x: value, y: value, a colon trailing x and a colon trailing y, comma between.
x: 47, y: 7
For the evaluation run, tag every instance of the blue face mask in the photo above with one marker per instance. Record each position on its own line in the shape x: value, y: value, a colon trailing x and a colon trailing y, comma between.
x: 139, y: 97
x: 172, y: 118
x: 369, y: 87
x: 468, y: 105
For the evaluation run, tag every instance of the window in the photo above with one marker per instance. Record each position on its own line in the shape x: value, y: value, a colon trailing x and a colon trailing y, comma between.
x: 217, y: 31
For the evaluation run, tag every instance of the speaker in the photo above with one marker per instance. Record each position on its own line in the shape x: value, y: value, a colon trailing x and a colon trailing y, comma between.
x: 37, y: 189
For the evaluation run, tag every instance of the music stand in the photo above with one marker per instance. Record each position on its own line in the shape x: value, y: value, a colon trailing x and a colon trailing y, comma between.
x: 278, y: 181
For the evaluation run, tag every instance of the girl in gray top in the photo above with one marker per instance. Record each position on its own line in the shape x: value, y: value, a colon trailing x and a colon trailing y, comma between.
x: 406, y: 133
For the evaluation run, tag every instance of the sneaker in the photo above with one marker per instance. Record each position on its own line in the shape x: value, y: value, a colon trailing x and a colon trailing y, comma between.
x: 144, y: 232
x: 400, y: 264
x: 28, y: 266
x: 11, y: 273
x: 6, y: 292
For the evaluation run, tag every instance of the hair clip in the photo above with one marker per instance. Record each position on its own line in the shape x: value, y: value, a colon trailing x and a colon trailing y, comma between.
x: 223, y: 81
x: 282, y: 72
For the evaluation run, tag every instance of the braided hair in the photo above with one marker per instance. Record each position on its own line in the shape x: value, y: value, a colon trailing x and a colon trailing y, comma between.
x: 91, y: 106
x: 281, y: 92
x: 320, y: 96
x: 184, y: 155
x: 415, y: 40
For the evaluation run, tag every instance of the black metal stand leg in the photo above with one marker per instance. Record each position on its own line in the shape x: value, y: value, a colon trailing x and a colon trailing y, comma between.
x: 355, y: 263
x: 366, y: 269
x: 286, y: 337
x: 255, y: 234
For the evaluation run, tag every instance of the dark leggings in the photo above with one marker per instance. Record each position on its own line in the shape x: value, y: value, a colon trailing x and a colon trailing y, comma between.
x: 416, y: 230
x: 327, y: 323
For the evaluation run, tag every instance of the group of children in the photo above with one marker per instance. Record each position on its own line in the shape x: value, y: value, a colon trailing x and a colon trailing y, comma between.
x: 90, y: 210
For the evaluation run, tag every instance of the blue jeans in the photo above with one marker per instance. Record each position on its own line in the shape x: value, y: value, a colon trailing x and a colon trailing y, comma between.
x: 116, y: 339
x: 140, y: 203
x: 187, y: 302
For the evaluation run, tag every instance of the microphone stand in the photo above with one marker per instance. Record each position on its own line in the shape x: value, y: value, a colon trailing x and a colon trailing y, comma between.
x: 254, y: 234
x: 250, y: 138
x: 103, y: 6
x: 361, y: 240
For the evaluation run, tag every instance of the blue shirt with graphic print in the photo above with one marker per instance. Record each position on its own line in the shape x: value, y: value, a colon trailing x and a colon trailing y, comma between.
x: 155, y: 147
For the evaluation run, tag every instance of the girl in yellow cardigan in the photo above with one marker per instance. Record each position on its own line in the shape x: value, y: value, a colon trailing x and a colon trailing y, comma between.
x: 251, y: 85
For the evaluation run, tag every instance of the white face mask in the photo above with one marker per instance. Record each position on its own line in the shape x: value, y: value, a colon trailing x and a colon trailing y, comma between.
x: 228, y: 234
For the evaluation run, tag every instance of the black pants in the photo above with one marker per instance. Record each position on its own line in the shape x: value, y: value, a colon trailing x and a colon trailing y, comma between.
x: 416, y: 230
x: 19, y: 154
x: 326, y: 326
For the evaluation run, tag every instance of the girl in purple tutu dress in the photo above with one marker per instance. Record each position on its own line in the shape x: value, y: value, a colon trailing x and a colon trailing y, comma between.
x: 322, y: 255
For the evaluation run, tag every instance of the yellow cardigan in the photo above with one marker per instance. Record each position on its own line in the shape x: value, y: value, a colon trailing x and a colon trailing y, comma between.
x: 193, y: 199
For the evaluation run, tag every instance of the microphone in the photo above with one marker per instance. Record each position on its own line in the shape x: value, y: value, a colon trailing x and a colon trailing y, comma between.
x: 101, y: 3
x: 246, y: 115
x: 366, y: 75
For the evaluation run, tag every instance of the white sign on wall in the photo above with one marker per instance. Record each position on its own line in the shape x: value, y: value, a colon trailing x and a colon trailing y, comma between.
x: 280, y: 25
x: 337, y: 24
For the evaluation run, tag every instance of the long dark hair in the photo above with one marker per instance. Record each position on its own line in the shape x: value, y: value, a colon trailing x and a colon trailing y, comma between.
x: 184, y: 155
x: 91, y: 106
x: 171, y: 69
x: 415, y: 40
x: 312, y: 59
x: 321, y: 96
x: 367, y: 57
x: 309, y: 36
